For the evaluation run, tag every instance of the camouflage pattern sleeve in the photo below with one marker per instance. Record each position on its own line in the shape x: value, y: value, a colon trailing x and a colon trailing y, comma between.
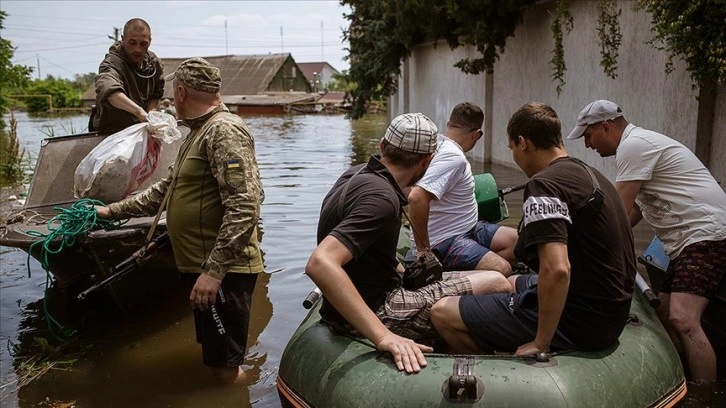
x: 146, y: 203
x: 230, y: 148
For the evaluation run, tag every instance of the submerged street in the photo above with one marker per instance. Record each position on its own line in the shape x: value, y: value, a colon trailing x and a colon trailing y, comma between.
x: 149, y: 357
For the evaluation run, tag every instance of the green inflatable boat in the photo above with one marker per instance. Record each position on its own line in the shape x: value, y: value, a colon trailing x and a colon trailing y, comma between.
x: 322, y: 368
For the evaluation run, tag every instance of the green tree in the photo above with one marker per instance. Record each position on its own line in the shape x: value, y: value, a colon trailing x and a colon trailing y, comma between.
x: 383, y: 33
x: 83, y: 82
x: 693, y: 30
x: 11, y: 76
x: 341, y: 82
x: 61, y: 91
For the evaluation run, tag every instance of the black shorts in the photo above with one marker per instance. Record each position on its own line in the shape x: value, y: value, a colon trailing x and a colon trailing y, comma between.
x: 222, y: 330
x: 501, y: 322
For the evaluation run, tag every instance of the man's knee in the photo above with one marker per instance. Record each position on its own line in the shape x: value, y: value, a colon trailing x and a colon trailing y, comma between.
x: 442, y: 312
x: 685, y: 313
x: 682, y: 323
x: 505, y: 237
x: 486, y: 282
x: 493, y: 262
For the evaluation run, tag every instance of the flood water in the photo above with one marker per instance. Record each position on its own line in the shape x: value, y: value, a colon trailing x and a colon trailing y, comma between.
x: 149, y: 358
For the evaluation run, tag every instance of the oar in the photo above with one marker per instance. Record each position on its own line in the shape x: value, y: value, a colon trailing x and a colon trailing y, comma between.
x: 312, y: 298
x: 508, y: 190
x: 650, y: 295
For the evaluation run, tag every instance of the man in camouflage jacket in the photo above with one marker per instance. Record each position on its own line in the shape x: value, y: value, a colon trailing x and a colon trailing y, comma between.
x: 212, y: 215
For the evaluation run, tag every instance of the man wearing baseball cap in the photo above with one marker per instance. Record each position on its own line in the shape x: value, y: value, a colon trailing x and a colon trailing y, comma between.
x: 661, y: 180
x: 214, y: 195
x: 355, y: 264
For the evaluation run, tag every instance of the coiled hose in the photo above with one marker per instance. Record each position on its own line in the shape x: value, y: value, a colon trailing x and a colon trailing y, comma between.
x: 63, y: 232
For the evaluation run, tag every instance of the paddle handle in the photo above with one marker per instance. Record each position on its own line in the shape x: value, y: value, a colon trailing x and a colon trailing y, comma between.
x: 312, y: 298
x: 650, y: 295
x: 508, y: 190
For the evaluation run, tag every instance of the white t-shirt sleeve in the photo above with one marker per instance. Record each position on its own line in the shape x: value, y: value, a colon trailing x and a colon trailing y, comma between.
x: 635, y: 159
x: 442, y: 174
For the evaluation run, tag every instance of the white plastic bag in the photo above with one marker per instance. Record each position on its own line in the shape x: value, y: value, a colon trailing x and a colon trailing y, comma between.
x: 121, y: 162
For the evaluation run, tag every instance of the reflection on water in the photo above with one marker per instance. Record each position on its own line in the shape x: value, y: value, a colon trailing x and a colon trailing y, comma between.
x: 150, y: 358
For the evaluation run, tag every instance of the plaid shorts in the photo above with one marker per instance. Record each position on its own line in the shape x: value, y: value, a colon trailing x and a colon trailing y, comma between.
x: 407, y: 313
x: 698, y: 269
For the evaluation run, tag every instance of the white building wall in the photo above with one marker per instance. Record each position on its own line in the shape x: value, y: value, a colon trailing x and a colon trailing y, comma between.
x: 649, y: 97
x: 435, y: 85
x: 718, y: 143
x: 327, y: 75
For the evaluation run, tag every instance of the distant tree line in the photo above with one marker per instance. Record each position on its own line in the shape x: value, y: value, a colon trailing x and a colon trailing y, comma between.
x: 65, y: 93
x: 16, y: 80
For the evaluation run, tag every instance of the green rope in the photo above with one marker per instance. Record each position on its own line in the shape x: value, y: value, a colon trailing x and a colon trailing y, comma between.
x: 64, y: 229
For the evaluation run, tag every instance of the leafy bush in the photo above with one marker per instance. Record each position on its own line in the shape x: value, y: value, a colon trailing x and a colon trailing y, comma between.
x: 62, y: 93
x: 12, y: 159
x: 693, y: 30
x: 11, y: 76
x: 383, y: 33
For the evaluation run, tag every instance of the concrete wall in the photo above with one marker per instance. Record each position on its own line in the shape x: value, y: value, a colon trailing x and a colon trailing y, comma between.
x: 718, y: 142
x: 649, y: 97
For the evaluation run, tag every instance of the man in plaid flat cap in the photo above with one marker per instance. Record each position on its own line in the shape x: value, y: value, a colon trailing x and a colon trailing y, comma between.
x: 355, y: 263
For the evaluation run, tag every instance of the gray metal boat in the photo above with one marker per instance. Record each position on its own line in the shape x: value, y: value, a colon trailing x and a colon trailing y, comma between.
x: 91, y: 258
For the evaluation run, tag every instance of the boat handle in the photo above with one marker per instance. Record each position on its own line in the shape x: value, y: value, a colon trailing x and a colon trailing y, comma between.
x: 463, y: 386
x: 312, y: 298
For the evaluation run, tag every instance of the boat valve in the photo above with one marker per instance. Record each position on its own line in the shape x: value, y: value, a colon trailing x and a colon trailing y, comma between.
x: 463, y: 386
x: 542, y: 357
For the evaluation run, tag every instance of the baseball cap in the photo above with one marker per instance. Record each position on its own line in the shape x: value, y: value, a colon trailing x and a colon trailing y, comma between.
x: 199, y: 74
x: 595, y: 112
x: 412, y: 132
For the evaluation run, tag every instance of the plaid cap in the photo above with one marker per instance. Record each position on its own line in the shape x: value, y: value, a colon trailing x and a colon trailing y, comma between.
x: 412, y: 132
x: 199, y: 74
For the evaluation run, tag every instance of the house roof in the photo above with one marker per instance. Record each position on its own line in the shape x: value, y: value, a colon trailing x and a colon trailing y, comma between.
x: 308, y: 68
x: 90, y: 94
x: 332, y: 97
x: 241, y: 74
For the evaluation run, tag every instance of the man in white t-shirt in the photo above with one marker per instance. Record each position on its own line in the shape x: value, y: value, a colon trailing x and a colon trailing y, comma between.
x: 443, y: 208
x: 662, y: 181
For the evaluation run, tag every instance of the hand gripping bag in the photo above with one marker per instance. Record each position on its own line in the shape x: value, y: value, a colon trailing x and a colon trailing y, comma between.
x: 121, y: 162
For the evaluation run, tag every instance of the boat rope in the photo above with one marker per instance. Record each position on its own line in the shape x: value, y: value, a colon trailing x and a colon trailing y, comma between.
x: 63, y: 231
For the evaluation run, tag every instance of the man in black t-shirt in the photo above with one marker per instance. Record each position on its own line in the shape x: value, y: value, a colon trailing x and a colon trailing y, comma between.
x: 355, y: 263
x: 575, y: 233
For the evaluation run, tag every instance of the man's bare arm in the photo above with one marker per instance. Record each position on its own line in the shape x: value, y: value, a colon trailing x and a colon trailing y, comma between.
x: 628, y: 190
x: 325, y: 269
x: 552, y: 288
x: 419, y: 204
